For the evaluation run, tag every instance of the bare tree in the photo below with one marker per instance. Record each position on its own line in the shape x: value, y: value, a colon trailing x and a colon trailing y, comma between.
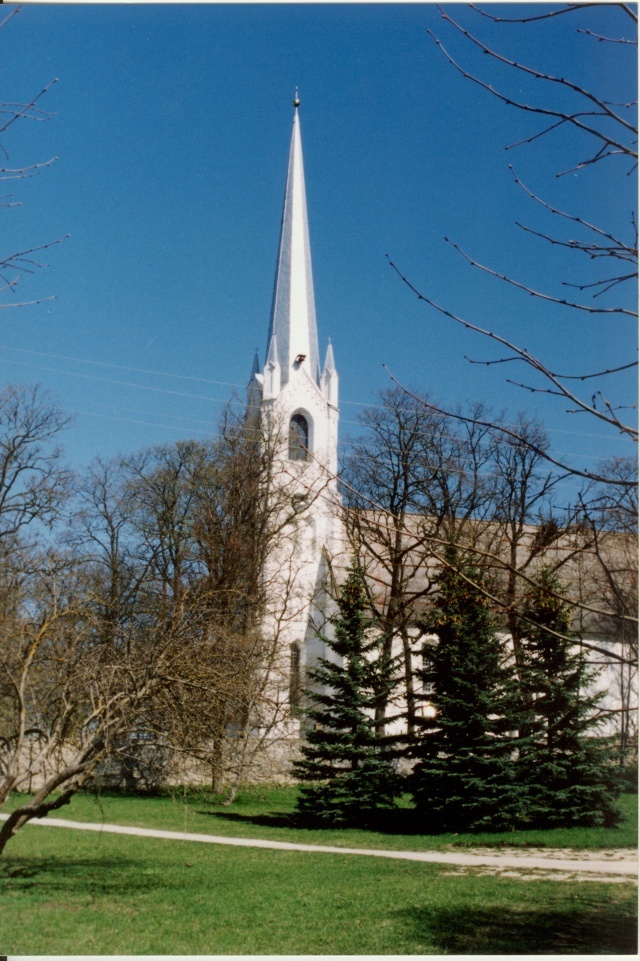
x: 34, y: 482
x: 526, y: 521
x: 15, y: 263
x: 153, y: 627
x: 606, y: 262
x: 70, y: 698
x: 413, y: 483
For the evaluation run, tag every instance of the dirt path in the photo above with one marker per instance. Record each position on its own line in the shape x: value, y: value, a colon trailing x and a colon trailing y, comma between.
x: 560, y: 864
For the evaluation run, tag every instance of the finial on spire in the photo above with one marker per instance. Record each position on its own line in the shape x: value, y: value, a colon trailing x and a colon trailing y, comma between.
x: 296, y: 100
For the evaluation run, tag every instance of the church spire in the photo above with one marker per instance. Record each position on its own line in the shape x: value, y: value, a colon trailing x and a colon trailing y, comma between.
x: 293, y: 314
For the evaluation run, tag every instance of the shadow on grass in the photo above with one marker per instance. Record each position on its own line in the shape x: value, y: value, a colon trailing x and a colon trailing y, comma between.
x: 97, y: 876
x: 403, y: 821
x: 262, y: 820
x: 400, y: 822
x: 596, y: 929
x: 408, y: 822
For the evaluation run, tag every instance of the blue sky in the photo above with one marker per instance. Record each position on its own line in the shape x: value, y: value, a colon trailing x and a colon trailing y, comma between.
x: 171, y: 129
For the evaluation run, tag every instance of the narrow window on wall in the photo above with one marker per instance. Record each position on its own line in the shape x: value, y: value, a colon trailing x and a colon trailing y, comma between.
x: 427, y: 686
x: 298, y: 438
x: 294, y: 676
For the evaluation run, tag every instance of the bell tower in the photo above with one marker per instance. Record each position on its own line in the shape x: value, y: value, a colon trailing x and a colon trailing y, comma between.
x: 298, y: 403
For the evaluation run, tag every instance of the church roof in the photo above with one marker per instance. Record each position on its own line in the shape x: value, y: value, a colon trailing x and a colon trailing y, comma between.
x: 293, y: 314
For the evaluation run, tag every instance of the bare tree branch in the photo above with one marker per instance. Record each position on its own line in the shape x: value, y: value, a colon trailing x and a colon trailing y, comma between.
x: 532, y: 362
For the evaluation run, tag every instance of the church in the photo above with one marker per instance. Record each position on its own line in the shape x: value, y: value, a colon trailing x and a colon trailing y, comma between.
x: 294, y: 397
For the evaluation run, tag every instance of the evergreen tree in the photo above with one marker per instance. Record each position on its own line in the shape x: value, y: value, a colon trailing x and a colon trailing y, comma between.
x: 347, y: 762
x: 465, y: 777
x: 568, y: 772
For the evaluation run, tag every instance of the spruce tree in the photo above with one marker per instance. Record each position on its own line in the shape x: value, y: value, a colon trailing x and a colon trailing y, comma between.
x: 347, y: 766
x: 567, y: 771
x: 465, y: 777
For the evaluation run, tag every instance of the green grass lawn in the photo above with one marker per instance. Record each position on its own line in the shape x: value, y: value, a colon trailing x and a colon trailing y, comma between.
x: 70, y: 892
x: 270, y: 813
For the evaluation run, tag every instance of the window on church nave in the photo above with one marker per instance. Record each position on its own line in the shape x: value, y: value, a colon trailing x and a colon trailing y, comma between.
x: 298, y: 438
x: 427, y: 663
x: 294, y: 675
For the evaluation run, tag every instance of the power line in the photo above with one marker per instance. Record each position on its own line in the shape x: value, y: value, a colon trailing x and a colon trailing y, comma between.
x: 203, y: 380
x: 189, y: 421
x: 100, y: 363
x: 142, y: 423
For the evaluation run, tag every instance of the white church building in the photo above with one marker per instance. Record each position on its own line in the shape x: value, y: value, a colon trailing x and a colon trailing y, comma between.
x: 297, y: 400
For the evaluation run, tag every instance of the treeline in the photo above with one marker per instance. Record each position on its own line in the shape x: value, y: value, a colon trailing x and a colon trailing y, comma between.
x: 137, y: 616
x: 132, y: 606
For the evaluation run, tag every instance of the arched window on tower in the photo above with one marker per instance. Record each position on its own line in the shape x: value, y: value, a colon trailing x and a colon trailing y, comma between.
x: 298, y: 438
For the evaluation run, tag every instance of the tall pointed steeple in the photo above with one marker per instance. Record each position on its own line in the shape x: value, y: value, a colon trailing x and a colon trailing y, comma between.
x: 299, y: 423
x: 293, y: 314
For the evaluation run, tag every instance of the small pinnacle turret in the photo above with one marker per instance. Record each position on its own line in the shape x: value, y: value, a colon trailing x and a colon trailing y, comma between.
x: 329, y: 363
x: 272, y: 371
x: 329, y: 378
x: 254, y: 387
x: 256, y: 366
